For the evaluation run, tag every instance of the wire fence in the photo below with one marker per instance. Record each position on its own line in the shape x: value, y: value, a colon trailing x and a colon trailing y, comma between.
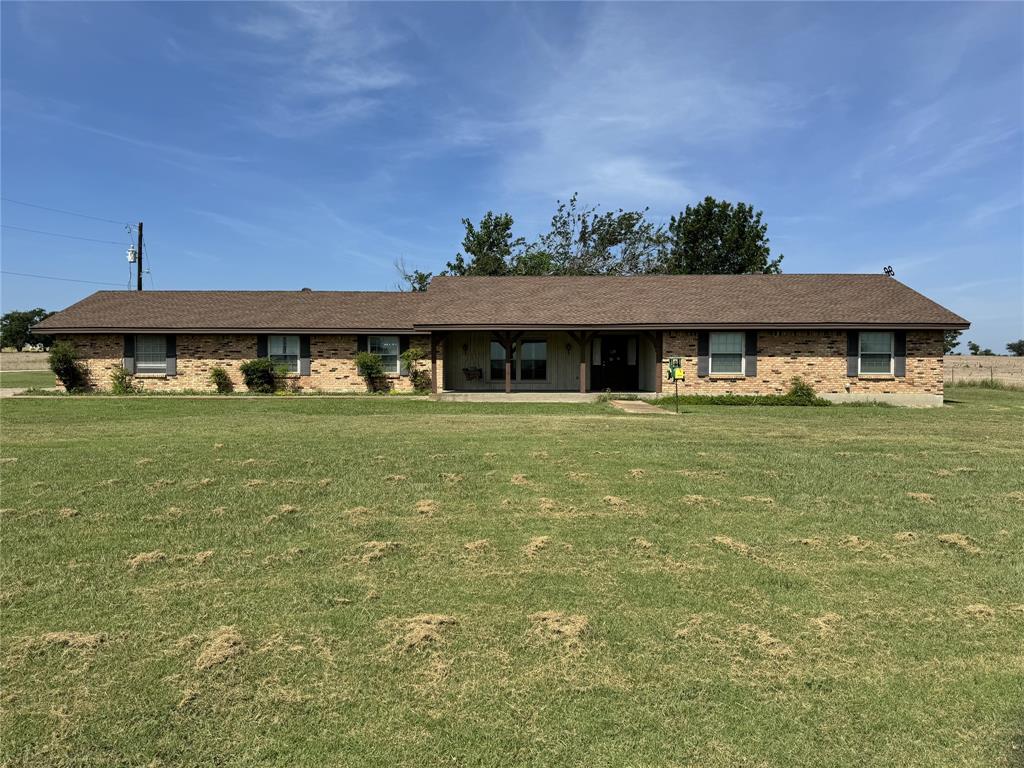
x: 959, y: 369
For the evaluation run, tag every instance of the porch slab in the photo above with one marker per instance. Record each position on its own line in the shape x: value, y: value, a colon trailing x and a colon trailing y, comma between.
x: 519, y: 397
x: 640, y: 407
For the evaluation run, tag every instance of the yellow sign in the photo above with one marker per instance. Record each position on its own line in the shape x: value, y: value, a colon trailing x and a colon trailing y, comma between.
x: 678, y: 374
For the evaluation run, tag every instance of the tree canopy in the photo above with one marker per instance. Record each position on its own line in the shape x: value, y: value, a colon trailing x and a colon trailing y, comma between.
x: 1016, y: 347
x: 14, y: 328
x: 711, y: 237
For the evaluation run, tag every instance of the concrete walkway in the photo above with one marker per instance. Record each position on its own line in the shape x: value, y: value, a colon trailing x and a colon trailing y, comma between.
x: 640, y: 407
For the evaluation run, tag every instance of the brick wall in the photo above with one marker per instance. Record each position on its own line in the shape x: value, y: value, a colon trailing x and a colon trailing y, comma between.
x: 818, y: 357
x: 332, y: 365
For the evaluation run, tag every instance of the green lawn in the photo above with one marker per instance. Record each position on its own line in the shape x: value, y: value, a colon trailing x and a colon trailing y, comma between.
x: 405, y: 583
x: 26, y: 379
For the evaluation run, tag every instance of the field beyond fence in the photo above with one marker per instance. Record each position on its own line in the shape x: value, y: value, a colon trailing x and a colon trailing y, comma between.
x: 959, y: 369
x: 23, y: 361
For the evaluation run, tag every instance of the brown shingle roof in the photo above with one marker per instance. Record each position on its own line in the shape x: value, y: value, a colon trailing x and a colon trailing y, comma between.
x: 748, y: 301
x: 652, y: 301
x: 222, y: 311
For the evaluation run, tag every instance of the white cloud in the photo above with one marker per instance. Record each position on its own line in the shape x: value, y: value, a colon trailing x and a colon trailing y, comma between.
x: 321, y: 65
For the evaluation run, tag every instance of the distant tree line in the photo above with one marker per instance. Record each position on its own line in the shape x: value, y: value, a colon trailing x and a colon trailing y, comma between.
x: 711, y: 237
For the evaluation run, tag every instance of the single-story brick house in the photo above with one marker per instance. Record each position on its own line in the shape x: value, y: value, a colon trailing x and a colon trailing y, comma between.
x: 850, y: 336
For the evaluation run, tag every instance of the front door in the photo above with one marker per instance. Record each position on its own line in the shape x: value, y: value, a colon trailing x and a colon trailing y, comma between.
x: 619, y: 370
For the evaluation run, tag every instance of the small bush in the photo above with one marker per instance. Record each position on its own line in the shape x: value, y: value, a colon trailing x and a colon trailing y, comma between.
x: 802, y: 393
x: 121, y: 382
x: 260, y: 375
x: 420, y: 378
x: 66, y: 366
x: 221, y: 380
x: 371, y: 368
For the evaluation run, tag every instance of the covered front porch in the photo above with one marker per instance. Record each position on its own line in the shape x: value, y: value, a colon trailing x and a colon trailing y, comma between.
x: 552, y: 360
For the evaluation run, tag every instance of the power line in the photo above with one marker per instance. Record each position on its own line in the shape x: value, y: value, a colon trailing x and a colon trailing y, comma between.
x: 60, y: 210
x: 64, y: 279
x: 58, y: 234
x: 149, y: 269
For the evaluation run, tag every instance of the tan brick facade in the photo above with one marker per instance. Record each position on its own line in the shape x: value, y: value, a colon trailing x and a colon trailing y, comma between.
x: 818, y: 357
x: 332, y: 363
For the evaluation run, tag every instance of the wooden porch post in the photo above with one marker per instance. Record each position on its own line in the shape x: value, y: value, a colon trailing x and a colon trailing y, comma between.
x: 582, y: 339
x: 433, y: 363
x: 659, y: 368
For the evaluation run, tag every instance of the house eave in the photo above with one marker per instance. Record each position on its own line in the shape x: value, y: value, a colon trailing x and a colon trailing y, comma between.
x: 226, y: 331
x: 426, y: 327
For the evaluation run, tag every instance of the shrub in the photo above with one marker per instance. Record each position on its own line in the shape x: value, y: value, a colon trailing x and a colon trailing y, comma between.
x: 420, y: 378
x: 371, y: 368
x: 801, y: 393
x: 260, y: 375
x: 221, y: 380
x: 67, y: 368
x: 121, y: 382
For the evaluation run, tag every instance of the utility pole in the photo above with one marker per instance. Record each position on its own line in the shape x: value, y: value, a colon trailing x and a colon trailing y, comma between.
x: 139, y: 262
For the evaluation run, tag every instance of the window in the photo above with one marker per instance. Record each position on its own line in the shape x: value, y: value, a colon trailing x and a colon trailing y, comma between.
x: 533, y: 361
x: 284, y: 350
x: 875, y: 352
x: 387, y: 349
x: 727, y: 353
x: 151, y: 354
x: 498, y: 362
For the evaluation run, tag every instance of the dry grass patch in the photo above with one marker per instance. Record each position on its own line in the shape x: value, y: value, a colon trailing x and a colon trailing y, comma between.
x: 855, y: 543
x: 961, y: 542
x: 826, y: 623
x: 146, y: 558
x: 287, y: 509
x: 536, y: 544
x: 395, y: 478
x: 323, y: 482
x: 924, y: 498
x: 375, y: 550
x: 764, y: 640
x: 615, y: 501
x: 554, y: 626
x: 579, y: 477
x: 905, y: 537
x: 980, y: 611
x: 547, y: 505
x: 200, y: 558
x: 451, y: 478
x: 222, y: 645
x: 697, y: 500
x: 519, y: 480
x: 480, y: 545
x: 766, y: 500
x: 739, y: 547
x: 77, y: 640
x: 255, y: 483
x: 636, y: 474
x: 691, y: 628
x: 641, y: 543
x: 66, y: 512
x: 814, y: 542
x: 426, y: 506
x: 422, y: 631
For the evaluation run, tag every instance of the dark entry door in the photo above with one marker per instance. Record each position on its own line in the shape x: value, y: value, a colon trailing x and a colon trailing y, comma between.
x: 616, y: 372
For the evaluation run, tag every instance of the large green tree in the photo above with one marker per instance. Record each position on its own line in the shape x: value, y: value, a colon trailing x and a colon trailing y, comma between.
x: 950, y: 341
x: 490, y: 248
x: 1016, y: 347
x: 716, y: 237
x: 14, y: 328
x: 582, y: 241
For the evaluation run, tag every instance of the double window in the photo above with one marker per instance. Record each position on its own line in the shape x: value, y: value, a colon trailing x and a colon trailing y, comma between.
x: 150, y: 354
x: 284, y: 350
x: 529, y: 361
x: 876, y: 352
x: 387, y: 349
x: 727, y: 354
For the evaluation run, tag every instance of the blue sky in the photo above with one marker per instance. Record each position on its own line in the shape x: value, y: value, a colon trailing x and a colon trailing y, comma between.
x: 282, y: 146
